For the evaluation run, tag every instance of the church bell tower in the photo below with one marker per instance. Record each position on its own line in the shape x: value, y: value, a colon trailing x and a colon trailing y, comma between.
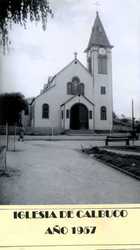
x: 99, y: 63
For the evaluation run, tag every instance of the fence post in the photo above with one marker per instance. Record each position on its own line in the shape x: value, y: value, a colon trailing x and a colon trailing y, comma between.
x: 6, y: 135
x: 5, y: 163
x: 14, y: 138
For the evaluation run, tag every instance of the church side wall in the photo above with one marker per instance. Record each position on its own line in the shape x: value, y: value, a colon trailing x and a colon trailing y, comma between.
x: 54, y: 111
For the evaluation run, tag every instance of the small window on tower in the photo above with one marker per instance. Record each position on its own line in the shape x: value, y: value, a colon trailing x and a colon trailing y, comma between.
x: 103, y: 90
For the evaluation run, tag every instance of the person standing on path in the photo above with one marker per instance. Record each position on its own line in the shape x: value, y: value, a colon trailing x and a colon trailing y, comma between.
x: 21, y: 133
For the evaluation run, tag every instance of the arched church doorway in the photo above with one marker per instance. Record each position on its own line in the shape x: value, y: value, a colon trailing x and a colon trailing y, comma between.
x: 79, y: 116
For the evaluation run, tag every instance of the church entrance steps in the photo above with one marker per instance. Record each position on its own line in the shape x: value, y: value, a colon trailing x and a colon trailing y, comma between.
x: 80, y: 132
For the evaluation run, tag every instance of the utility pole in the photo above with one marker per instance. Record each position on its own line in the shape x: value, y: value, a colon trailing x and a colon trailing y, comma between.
x: 133, y: 123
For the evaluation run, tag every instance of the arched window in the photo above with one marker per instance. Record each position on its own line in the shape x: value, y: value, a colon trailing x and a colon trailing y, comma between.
x: 69, y: 88
x: 76, y: 78
x: 103, y: 113
x: 75, y: 85
x: 45, y: 111
x: 81, y: 89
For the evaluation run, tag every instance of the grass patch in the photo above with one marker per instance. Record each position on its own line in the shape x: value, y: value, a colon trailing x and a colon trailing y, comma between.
x: 9, y: 172
x: 129, y: 163
x: 126, y: 148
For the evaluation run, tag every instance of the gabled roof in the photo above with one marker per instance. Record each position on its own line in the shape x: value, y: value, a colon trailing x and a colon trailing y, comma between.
x: 30, y: 100
x: 98, y: 35
x: 73, y: 61
x: 55, y: 76
x: 68, y: 100
x: 42, y: 93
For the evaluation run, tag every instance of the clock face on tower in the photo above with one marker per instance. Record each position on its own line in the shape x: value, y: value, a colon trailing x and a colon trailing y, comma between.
x: 102, y: 51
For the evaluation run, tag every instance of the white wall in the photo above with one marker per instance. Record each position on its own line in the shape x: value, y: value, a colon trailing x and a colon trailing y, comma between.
x: 102, y: 100
x: 57, y: 95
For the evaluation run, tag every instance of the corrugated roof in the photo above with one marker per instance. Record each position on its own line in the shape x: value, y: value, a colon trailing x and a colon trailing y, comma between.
x: 98, y: 35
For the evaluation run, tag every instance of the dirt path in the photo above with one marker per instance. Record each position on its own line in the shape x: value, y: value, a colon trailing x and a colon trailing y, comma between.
x: 57, y: 173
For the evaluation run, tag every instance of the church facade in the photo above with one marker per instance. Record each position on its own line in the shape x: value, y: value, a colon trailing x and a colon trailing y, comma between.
x: 79, y: 97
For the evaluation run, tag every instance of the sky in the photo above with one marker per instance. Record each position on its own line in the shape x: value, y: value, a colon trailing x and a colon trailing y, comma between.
x: 35, y: 55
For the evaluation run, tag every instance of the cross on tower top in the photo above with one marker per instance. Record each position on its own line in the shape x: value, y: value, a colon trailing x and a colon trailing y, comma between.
x: 75, y: 55
x: 97, y: 4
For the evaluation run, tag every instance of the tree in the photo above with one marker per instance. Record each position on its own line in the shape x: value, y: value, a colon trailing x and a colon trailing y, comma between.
x: 19, y: 11
x: 138, y: 126
x: 11, y: 105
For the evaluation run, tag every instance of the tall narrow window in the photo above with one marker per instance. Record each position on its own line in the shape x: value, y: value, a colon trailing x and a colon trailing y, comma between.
x: 103, y: 113
x: 102, y: 64
x: 75, y: 85
x: 45, y: 111
x: 69, y: 88
x: 90, y: 114
x: 62, y: 114
x: 67, y: 114
x: 81, y: 89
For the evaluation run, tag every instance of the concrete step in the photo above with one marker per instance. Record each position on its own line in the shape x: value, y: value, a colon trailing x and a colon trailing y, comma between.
x: 79, y: 132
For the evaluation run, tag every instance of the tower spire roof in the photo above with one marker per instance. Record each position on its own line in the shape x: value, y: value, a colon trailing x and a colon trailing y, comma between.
x: 98, y: 35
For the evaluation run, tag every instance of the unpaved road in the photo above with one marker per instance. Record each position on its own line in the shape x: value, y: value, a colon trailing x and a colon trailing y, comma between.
x: 47, y: 172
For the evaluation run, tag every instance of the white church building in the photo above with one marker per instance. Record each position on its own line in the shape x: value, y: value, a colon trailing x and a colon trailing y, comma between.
x: 79, y: 97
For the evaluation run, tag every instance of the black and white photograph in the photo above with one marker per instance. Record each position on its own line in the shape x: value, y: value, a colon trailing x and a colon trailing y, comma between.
x: 69, y: 102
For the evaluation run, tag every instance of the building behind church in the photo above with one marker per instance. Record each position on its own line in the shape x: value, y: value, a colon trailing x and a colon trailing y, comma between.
x: 78, y: 97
